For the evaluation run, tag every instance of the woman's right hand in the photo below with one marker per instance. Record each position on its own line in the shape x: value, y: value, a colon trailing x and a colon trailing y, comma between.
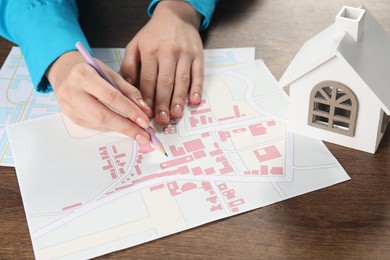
x: 89, y: 100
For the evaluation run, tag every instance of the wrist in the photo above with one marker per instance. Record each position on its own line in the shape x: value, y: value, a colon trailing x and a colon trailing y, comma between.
x: 182, y: 9
x: 61, y: 65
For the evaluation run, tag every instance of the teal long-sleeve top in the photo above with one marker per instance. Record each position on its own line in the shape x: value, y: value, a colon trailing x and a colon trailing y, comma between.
x: 46, y: 29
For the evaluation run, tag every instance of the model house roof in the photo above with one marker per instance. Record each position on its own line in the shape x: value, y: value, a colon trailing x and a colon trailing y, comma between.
x: 357, y: 38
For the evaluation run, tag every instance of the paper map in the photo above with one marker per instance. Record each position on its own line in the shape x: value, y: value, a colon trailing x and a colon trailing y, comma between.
x: 88, y: 193
x: 19, y: 101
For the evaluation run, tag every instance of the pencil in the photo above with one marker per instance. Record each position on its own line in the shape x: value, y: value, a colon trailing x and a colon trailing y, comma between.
x: 91, y: 61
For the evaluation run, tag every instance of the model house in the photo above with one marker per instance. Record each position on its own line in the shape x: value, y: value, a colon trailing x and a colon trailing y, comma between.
x: 339, y: 82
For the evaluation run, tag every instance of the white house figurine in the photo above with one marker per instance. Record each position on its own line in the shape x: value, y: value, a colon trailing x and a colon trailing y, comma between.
x: 339, y: 82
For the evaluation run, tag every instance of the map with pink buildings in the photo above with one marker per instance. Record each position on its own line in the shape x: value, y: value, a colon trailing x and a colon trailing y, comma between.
x: 19, y: 102
x: 88, y: 193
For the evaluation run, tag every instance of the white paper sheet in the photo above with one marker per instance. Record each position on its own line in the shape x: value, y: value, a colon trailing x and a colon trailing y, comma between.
x: 87, y: 193
x: 19, y: 101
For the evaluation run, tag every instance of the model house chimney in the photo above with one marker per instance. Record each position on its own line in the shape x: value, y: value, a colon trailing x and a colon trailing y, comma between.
x: 351, y: 21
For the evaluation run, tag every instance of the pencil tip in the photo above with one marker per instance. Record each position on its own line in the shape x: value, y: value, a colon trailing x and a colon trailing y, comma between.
x: 166, y: 154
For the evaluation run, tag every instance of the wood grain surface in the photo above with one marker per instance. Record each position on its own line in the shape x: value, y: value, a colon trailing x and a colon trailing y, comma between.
x: 350, y: 220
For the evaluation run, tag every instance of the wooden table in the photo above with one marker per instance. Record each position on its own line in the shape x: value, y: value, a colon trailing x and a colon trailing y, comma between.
x: 348, y: 220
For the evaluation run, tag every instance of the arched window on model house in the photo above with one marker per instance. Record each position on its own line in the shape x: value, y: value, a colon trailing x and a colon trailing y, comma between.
x: 333, y: 107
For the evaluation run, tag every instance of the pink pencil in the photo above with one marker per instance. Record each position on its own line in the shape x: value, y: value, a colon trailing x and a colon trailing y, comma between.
x: 81, y: 48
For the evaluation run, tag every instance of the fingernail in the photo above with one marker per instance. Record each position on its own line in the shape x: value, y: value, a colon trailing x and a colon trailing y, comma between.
x: 142, y: 140
x: 141, y: 122
x: 142, y: 103
x: 163, y: 116
x: 177, y: 110
x: 196, y: 97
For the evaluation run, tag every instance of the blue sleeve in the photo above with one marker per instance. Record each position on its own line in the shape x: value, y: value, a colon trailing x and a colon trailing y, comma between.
x: 204, y: 7
x: 44, y: 30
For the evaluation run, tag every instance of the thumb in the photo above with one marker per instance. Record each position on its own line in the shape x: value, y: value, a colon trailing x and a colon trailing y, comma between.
x: 131, y: 63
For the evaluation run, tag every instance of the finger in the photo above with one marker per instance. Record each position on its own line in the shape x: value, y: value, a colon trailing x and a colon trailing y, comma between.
x: 182, y: 83
x: 94, y: 114
x: 148, y: 79
x: 129, y: 91
x: 165, y: 81
x: 113, y: 98
x: 131, y: 63
x: 197, y: 77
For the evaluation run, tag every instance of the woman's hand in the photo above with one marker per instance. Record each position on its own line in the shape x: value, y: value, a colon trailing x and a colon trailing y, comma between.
x: 166, y: 59
x: 86, y: 98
